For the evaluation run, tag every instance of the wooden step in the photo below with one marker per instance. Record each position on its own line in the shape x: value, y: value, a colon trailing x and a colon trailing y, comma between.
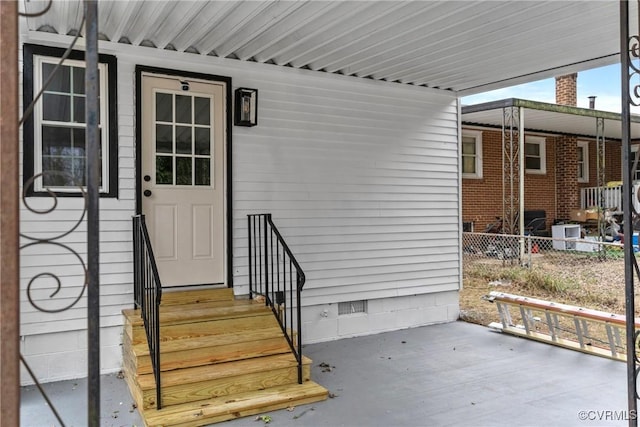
x: 195, y: 296
x: 224, y: 408
x: 176, y: 314
x: 260, y: 320
x: 212, y: 349
x: 204, y: 382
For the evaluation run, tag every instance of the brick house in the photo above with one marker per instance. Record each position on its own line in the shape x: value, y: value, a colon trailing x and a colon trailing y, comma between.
x: 560, y: 156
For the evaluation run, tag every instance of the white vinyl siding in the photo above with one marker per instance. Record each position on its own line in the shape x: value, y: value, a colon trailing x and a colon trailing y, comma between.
x: 361, y: 178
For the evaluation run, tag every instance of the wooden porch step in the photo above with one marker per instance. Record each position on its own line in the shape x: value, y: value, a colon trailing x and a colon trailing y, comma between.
x: 195, y: 296
x: 205, y: 382
x: 204, y: 328
x: 225, y: 408
x: 211, y: 349
x: 176, y: 314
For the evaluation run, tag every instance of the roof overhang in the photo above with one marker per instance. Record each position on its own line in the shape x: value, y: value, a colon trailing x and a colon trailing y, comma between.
x: 462, y: 46
x: 548, y: 118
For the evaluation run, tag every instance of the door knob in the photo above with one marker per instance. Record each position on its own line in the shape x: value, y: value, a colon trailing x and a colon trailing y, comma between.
x: 147, y: 178
x: 147, y: 193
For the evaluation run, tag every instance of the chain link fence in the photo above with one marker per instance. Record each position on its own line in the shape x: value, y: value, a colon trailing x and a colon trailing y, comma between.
x: 572, y: 259
x: 526, y: 251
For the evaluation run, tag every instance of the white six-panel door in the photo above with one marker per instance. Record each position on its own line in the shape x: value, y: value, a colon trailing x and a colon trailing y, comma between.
x: 183, y: 173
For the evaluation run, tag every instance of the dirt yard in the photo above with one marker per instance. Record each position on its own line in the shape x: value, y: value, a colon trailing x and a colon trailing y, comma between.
x: 586, y: 282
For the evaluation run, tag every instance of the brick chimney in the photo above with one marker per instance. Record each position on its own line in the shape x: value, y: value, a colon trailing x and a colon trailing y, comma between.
x: 566, y: 90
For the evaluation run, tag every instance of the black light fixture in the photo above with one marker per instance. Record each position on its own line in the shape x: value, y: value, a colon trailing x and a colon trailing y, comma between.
x: 246, y: 110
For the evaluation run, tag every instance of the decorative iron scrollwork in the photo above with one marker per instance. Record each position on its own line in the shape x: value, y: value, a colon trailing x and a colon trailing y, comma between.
x: 55, y: 241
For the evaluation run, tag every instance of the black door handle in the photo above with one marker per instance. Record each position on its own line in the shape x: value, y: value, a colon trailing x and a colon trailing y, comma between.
x: 147, y: 193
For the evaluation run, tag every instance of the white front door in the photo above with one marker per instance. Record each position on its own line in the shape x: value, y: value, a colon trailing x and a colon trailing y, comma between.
x: 183, y: 177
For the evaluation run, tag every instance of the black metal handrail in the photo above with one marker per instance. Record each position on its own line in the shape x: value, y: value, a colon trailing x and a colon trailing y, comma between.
x: 147, y: 294
x: 275, y: 274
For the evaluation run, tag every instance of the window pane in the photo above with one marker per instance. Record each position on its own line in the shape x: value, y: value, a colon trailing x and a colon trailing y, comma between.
x: 164, y: 139
x: 56, y: 107
x: 468, y: 147
x: 581, y: 170
x: 183, y: 109
x: 78, y: 143
x: 203, y: 174
x: 60, y: 82
x: 183, y: 170
x: 468, y: 165
x: 78, y: 80
x: 203, y: 144
x: 532, y: 149
x: 63, y: 165
x: 580, y: 154
x: 532, y: 163
x: 203, y: 113
x: 56, y: 141
x: 164, y: 107
x: 164, y: 170
x: 183, y: 140
x: 78, y: 109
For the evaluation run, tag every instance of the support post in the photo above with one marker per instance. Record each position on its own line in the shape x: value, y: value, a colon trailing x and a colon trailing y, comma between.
x: 9, y: 218
x: 510, y: 168
x: 93, y: 210
x: 521, y: 181
x: 626, y: 66
x: 601, y: 176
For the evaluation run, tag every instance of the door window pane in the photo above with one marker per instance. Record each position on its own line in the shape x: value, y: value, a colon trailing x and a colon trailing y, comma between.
x: 164, y: 139
x: 183, y: 170
x: 203, y: 171
x: 203, y: 141
x: 164, y: 170
x: 164, y: 107
x: 203, y: 111
x: 183, y: 109
x: 183, y: 140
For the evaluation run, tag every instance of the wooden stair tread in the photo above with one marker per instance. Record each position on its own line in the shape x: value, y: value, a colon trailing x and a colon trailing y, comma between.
x: 195, y: 296
x: 235, y: 406
x: 211, y: 341
x: 221, y: 370
x: 203, y: 328
x: 175, y: 314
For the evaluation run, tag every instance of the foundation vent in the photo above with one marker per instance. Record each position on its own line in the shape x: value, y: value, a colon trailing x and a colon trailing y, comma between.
x: 352, y: 307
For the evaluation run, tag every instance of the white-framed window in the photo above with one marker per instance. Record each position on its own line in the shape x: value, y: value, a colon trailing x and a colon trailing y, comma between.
x: 54, y: 136
x: 583, y: 161
x: 535, y: 157
x: 471, y: 154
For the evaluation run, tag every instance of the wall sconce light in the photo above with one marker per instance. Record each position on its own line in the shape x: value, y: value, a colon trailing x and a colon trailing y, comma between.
x: 246, y: 110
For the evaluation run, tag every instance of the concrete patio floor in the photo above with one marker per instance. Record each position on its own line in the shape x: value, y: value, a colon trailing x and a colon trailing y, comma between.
x: 443, y: 375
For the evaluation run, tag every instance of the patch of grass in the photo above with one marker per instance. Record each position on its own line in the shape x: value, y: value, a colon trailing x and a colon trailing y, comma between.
x: 521, y: 276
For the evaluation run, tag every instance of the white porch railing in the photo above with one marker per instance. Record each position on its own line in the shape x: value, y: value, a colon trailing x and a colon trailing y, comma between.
x: 612, y: 197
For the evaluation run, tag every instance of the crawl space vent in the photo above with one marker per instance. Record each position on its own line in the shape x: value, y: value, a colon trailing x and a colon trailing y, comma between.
x: 351, y: 307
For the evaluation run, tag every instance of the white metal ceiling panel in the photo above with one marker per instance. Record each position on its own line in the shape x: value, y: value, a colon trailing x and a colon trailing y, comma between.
x: 463, y: 46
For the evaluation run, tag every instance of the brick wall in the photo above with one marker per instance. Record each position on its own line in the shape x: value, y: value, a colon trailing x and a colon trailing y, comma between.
x: 482, y: 198
x: 567, y: 193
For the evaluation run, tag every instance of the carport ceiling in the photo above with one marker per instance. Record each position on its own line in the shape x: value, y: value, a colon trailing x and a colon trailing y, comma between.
x: 462, y: 46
